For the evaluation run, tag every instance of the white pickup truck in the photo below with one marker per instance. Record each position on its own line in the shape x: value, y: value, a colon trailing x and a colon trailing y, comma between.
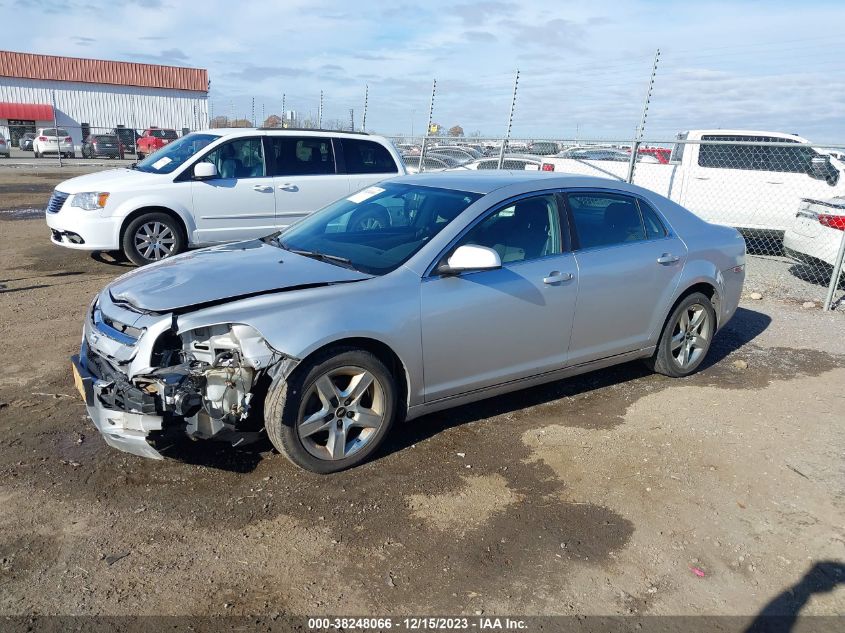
x: 757, y: 188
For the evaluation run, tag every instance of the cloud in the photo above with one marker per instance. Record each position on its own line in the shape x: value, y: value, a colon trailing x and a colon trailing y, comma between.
x: 258, y: 73
x: 83, y: 41
x: 479, y: 36
x: 480, y: 12
x: 168, y: 57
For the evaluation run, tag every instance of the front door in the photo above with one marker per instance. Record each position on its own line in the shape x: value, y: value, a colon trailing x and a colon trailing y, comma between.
x: 241, y: 202
x: 629, y: 267
x: 490, y: 327
x: 304, y: 176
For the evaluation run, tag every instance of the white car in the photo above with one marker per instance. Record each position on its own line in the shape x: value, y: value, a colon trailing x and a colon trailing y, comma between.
x: 216, y: 186
x: 817, y: 231
x: 50, y: 140
x: 4, y: 146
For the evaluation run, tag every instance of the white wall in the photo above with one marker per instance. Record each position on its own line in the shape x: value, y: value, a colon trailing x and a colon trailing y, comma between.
x: 106, y: 106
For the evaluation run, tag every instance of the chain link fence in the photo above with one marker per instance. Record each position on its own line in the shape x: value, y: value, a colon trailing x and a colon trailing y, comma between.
x: 786, y: 197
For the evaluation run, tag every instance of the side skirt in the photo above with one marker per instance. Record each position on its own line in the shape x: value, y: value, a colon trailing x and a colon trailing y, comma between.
x: 524, y: 383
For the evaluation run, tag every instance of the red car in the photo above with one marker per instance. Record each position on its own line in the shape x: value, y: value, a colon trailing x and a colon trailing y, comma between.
x: 153, y: 139
x: 660, y: 153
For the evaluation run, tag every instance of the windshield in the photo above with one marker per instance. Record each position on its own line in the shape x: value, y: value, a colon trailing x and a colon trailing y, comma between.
x: 172, y: 156
x: 379, y: 228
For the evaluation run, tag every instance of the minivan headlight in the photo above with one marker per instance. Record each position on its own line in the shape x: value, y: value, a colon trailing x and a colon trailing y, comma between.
x: 90, y: 201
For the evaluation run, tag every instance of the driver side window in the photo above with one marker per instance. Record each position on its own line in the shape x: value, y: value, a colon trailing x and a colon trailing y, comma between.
x: 522, y: 231
x: 242, y: 158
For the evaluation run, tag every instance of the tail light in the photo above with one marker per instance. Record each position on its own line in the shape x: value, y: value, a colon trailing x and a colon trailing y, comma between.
x: 832, y: 221
x: 68, y: 139
x: 548, y: 167
x: 42, y: 138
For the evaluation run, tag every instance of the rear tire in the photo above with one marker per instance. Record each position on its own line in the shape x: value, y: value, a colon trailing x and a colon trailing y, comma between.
x: 152, y: 237
x: 140, y: 155
x: 333, y: 411
x: 686, y: 337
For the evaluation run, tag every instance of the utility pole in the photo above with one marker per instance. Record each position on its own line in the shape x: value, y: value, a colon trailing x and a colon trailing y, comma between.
x: 638, y: 136
x: 510, y: 121
x: 430, y: 121
x: 253, y: 112
x: 366, y: 99
x: 284, y: 112
x: 351, y: 119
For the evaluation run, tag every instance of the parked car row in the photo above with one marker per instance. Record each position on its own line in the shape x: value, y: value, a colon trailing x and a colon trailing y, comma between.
x: 4, y: 146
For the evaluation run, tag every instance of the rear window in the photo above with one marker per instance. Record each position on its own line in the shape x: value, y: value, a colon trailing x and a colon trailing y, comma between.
x: 168, y: 134
x: 104, y: 138
x: 51, y: 131
x: 367, y: 157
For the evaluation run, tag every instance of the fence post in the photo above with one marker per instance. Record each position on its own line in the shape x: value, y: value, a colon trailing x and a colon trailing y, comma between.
x: 56, y: 127
x: 366, y: 99
x: 510, y: 121
x: 320, y: 113
x: 638, y: 137
x: 837, y: 271
x: 428, y: 129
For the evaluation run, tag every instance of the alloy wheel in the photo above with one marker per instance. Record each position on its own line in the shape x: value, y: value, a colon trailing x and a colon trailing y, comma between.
x: 155, y: 241
x: 341, y: 412
x: 691, y: 335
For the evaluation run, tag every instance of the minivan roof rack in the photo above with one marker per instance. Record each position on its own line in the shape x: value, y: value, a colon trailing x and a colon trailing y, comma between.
x: 311, y: 129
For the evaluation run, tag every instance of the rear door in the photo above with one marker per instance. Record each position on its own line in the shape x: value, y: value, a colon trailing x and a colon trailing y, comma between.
x: 240, y: 203
x: 304, y: 174
x: 629, y: 264
x: 365, y: 162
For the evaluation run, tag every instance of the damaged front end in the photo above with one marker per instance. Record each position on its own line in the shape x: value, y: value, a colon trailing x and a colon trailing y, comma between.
x: 147, y: 385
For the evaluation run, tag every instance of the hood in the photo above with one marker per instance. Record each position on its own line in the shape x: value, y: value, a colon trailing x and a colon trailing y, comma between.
x: 223, y: 273
x: 111, y: 180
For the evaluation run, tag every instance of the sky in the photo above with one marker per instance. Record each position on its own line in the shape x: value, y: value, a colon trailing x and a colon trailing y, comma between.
x: 584, y: 66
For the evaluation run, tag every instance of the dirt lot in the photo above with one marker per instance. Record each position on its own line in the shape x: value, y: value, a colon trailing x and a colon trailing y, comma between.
x: 618, y: 492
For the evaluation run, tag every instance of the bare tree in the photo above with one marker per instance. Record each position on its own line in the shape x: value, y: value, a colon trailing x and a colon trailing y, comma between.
x: 456, y: 130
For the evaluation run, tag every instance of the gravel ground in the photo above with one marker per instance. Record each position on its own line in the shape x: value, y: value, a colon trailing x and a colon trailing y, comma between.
x: 618, y: 492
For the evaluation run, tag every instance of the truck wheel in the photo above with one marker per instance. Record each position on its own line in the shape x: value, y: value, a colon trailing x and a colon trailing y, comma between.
x: 152, y: 237
x: 140, y: 155
x: 333, y: 411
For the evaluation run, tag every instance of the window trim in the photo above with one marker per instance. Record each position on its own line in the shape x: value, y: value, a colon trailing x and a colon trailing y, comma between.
x: 430, y: 271
x: 575, y: 239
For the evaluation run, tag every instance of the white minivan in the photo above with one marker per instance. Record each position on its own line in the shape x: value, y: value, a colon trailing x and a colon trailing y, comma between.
x: 216, y: 186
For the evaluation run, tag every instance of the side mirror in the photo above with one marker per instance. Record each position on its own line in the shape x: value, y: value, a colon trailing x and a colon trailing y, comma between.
x: 205, y: 170
x: 470, y: 258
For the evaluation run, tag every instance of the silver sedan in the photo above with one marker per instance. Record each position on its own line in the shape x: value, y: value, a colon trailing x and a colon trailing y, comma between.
x: 472, y: 285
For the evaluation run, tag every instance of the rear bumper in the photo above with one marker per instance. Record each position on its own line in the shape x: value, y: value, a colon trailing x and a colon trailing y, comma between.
x: 122, y: 430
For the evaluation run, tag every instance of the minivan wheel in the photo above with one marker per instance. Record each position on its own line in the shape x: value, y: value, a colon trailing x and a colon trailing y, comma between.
x: 333, y: 411
x: 152, y: 237
x: 686, y: 337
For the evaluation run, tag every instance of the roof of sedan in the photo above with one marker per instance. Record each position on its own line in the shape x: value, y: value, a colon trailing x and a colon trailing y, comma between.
x: 486, y: 181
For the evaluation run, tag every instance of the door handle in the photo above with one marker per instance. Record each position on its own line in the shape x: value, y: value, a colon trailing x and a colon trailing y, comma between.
x: 774, y: 182
x: 667, y: 258
x: 702, y: 177
x: 556, y: 277
x: 263, y: 188
x: 288, y: 187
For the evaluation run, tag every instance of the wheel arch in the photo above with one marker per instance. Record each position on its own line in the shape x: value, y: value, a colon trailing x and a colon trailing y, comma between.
x: 705, y: 287
x: 380, y: 350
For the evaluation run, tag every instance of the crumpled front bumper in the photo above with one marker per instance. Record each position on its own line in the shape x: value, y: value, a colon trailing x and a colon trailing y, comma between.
x: 123, y: 430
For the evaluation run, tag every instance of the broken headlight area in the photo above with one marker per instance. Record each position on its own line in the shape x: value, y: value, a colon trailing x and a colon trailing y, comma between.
x: 205, y: 383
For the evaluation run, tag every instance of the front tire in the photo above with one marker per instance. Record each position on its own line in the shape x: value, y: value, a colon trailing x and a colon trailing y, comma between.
x: 372, y: 217
x: 333, y: 411
x: 152, y: 237
x: 686, y: 337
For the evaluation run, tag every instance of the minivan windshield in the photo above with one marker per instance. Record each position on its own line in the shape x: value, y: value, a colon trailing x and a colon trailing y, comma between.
x: 378, y: 228
x: 172, y: 156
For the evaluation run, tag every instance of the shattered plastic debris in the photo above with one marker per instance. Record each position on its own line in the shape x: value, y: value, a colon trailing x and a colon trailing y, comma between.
x: 697, y: 571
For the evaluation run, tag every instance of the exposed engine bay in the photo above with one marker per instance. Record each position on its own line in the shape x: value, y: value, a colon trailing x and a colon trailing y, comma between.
x: 206, y: 383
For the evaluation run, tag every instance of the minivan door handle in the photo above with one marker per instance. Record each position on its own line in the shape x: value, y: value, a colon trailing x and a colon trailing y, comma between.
x: 667, y: 258
x: 556, y: 277
x: 288, y: 186
x: 263, y: 188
